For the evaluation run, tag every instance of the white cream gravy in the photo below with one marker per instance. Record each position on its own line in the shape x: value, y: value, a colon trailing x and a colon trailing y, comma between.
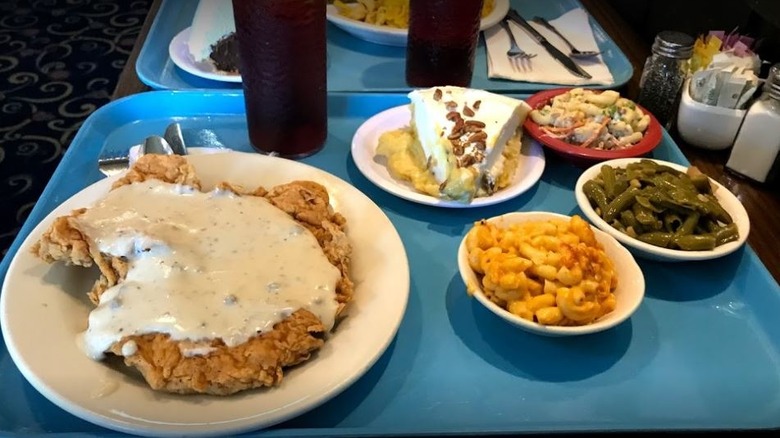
x: 203, y: 266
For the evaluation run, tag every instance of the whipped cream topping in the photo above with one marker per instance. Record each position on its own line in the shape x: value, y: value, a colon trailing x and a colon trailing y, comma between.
x: 462, y: 127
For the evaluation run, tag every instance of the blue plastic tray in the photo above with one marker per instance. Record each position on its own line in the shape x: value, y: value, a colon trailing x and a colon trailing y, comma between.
x: 355, y: 65
x: 701, y: 352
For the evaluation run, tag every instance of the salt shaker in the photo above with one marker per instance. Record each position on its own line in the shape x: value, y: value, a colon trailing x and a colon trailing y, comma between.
x: 757, y: 145
x: 663, y: 75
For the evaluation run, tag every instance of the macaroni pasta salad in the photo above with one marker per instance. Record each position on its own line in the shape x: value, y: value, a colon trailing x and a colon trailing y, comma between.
x: 551, y: 272
x: 591, y: 119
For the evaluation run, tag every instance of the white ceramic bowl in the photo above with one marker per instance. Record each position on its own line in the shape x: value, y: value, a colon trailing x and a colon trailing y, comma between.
x: 629, y: 293
x: 641, y: 249
x: 707, y: 126
x: 390, y: 36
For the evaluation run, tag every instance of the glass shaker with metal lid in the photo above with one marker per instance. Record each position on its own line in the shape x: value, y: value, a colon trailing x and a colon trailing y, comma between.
x: 756, y: 151
x: 664, y: 72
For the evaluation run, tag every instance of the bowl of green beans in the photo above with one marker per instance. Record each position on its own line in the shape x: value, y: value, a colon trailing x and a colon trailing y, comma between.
x: 661, y: 210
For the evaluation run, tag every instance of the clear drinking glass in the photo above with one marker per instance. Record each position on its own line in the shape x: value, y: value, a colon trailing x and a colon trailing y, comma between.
x: 282, y: 48
x: 441, y: 42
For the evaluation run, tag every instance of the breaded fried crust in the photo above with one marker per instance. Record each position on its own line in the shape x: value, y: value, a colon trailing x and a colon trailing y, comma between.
x: 167, y: 364
x: 256, y: 363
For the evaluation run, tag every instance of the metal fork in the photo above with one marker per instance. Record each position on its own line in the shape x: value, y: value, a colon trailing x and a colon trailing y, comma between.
x: 519, y: 59
x: 111, y: 166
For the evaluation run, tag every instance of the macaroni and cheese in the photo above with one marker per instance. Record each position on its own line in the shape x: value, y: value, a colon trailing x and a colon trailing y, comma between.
x: 551, y: 272
x: 596, y: 120
x: 391, y: 13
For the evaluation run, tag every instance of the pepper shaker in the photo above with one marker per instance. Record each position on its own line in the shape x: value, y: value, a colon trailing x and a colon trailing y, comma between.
x: 663, y: 75
x: 757, y: 146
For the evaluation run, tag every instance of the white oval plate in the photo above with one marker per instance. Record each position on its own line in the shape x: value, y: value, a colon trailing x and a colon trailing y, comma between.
x: 727, y: 200
x: 179, y: 52
x: 629, y: 293
x: 366, y: 139
x: 43, y: 308
x: 390, y: 36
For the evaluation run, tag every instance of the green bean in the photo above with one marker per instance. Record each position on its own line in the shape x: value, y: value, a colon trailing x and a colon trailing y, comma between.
x: 595, y: 195
x: 627, y: 217
x: 716, y: 209
x: 663, y: 168
x: 683, y: 196
x: 608, y: 177
x: 666, y: 182
x: 652, y: 168
x: 643, y: 215
x: 689, y: 224
x: 692, y: 242
x: 702, y: 182
x: 672, y: 221
x: 657, y: 238
x: 620, y: 203
x: 726, y: 234
x: 621, y: 185
x: 685, y: 183
x: 708, y: 225
x: 645, y: 202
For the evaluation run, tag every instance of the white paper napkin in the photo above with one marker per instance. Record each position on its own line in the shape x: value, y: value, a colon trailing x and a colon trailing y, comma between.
x: 574, y: 25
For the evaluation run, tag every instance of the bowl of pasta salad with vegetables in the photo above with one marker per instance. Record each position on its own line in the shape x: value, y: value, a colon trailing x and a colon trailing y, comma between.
x: 661, y: 210
x: 586, y: 125
x: 550, y: 274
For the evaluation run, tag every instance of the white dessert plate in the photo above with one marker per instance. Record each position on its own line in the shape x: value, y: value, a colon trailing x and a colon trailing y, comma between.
x: 365, y: 141
x: 179, y: 52
x: 727, y: 200
x: 629, y: 293
x: 44, y: 307
x: 390, y: 36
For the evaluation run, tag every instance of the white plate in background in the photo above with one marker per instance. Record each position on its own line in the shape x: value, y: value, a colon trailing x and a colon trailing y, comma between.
x: 390, y: 36
x: 179, y: 52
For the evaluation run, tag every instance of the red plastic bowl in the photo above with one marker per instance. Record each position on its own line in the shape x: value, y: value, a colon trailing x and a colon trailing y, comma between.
x: 583, y: 156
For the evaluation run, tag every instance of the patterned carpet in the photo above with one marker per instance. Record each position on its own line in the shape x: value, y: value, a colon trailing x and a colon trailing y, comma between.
x: 59, y: 62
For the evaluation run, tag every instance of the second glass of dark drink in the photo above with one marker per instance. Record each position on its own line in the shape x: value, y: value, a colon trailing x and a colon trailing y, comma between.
x: 282, y: 51
x: 441, y: 42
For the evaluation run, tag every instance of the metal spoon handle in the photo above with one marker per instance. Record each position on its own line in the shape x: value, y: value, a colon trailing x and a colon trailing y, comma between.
x: 156, y: 145
x: 175, y: 139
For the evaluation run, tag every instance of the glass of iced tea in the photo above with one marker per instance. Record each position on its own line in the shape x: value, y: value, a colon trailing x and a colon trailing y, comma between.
x: 441, y: 42
x: 282, y: 50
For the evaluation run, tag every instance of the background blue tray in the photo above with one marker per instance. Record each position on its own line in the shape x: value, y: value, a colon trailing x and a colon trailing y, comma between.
x: 701, y: 352
x: 355, y: 65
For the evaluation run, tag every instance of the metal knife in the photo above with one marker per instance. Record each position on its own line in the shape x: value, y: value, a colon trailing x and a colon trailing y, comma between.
x: 552, y: 50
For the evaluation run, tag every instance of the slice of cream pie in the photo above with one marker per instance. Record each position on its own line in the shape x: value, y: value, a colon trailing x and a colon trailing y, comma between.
x: 213, y: 35
x: 463, y: 134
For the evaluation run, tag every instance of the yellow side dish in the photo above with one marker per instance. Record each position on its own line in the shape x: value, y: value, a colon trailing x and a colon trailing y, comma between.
x: 391, y: 13
x: 406, y: 162
x: 550, y: 272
